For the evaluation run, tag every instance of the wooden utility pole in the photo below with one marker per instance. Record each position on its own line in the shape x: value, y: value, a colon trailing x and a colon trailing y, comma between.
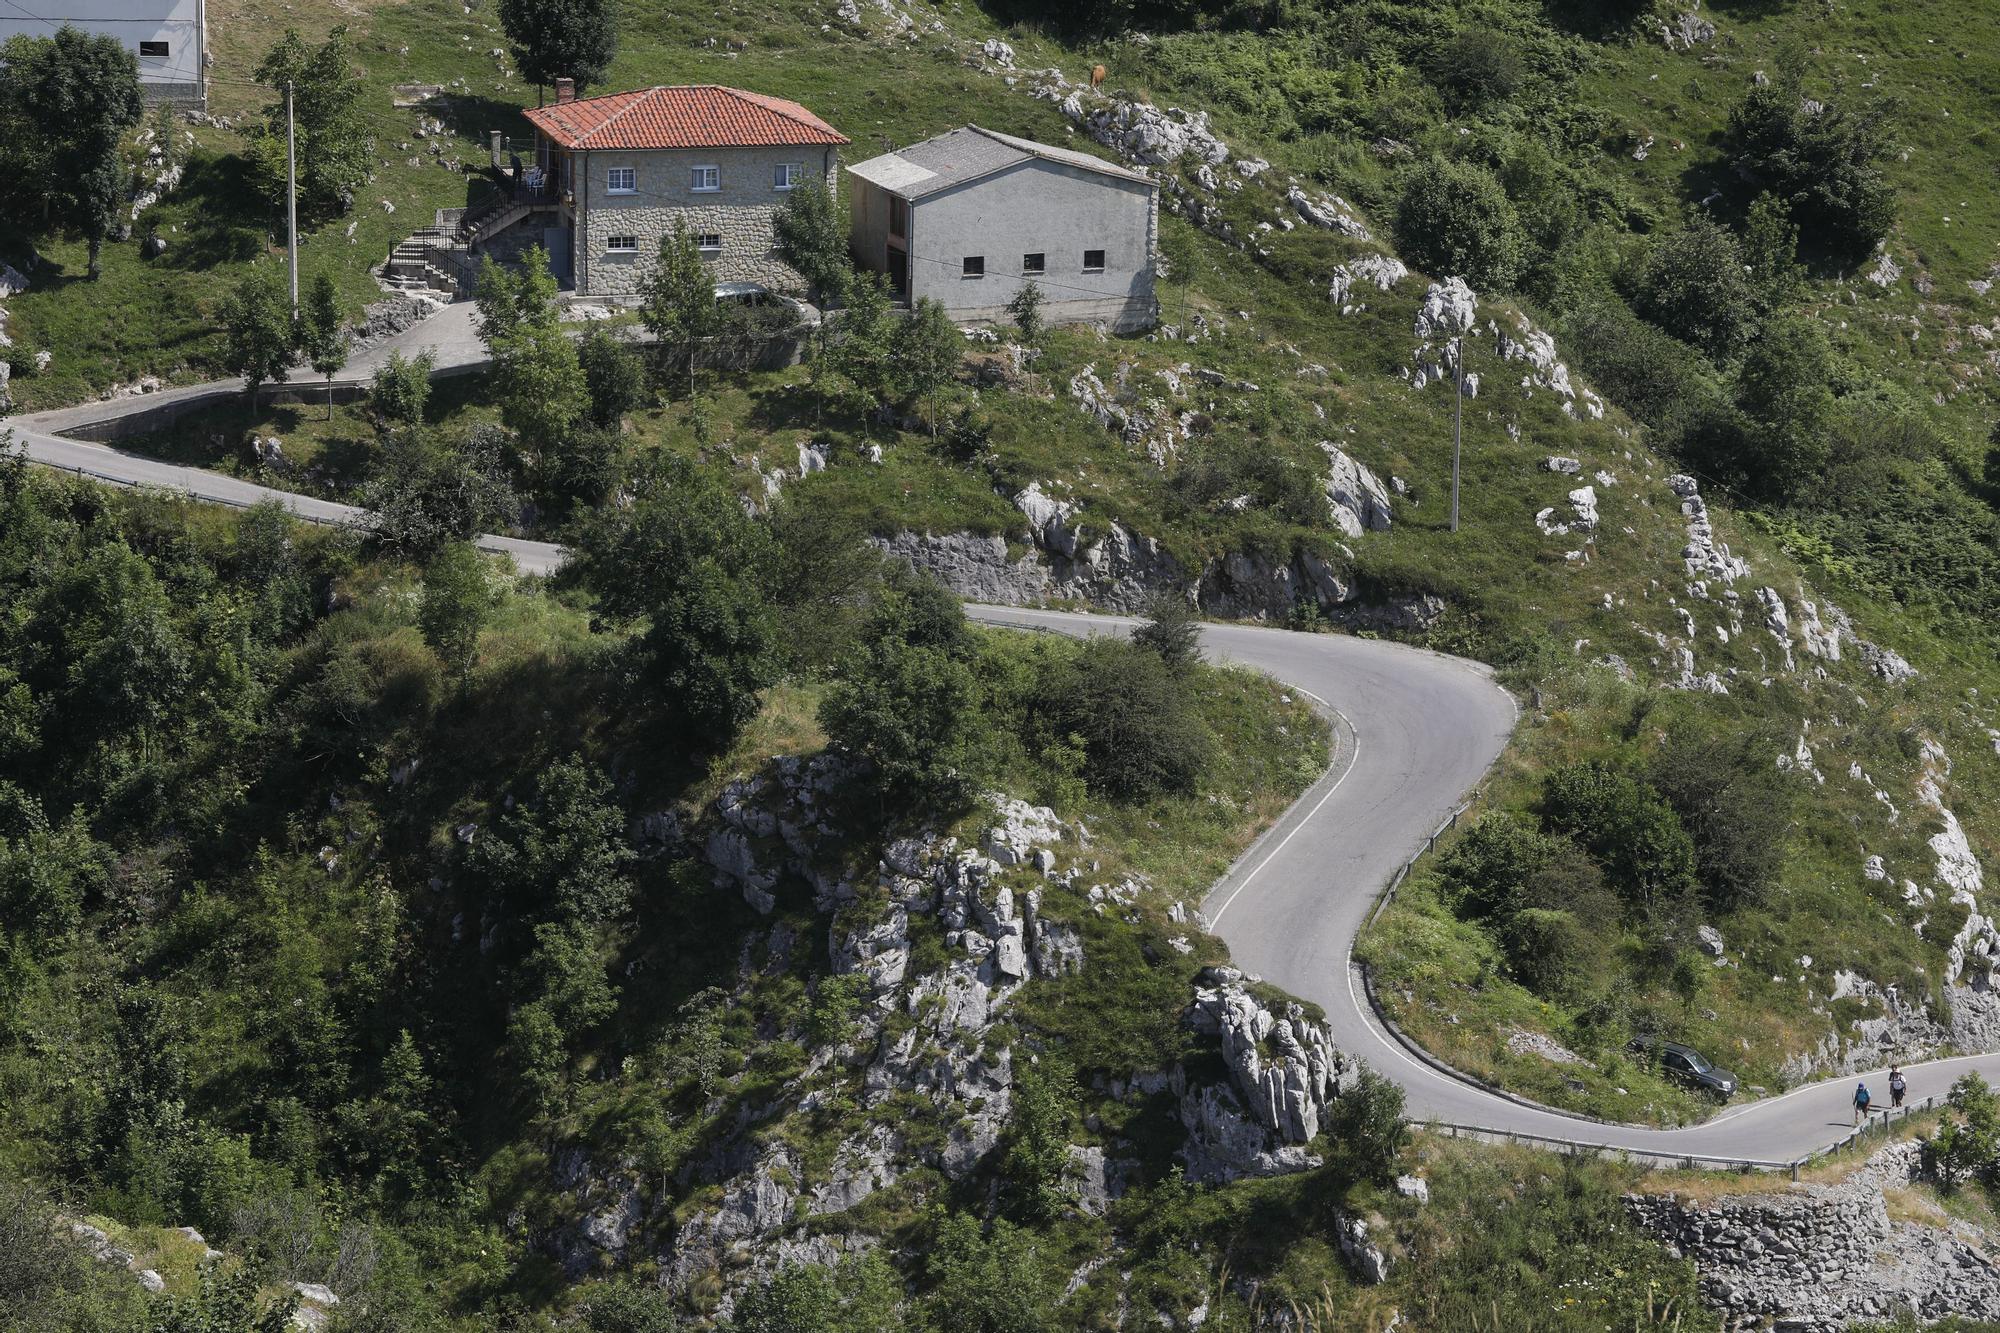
x: 292, y: 196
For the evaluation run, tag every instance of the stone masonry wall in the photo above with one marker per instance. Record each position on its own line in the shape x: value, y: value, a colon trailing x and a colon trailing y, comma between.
x: 741, y: 212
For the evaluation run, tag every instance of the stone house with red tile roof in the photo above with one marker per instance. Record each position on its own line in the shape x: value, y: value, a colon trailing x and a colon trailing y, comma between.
x: 613, y: 173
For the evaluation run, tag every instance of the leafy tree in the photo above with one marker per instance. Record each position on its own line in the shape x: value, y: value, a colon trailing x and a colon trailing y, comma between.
x: 402, y: 388
x: 992, y: 1280
x: 811, y: 238
x: 614, y: 375
x: 862, y: 353
x: 926, y: 352
x: 429, y: 494
x: 1736, y: 807
x: 79, y: 94
x: 836, y: 1004
x: 1026, y: 308
x: 454, y: 607
x: 1782, y: 390
x: 1693, y: 285
x: 909, y: 703
x: 537, y: 374
x: 1172, y: 630
x: 678, y: 305
x: 1966, y: 1146
x: 322, y: 337
x: 257, y: 320
x: 1633, y: 833
x: 1453, y: 219
x: 1503, y: 864
x: 1137, y: 720
x: 1367, y: 1122
x: 1037, y: 1155
x: 561, y: 39
x: 1823, y: 162
x: 333, y: 148
x: 687, y: 560
x: 46, y: 871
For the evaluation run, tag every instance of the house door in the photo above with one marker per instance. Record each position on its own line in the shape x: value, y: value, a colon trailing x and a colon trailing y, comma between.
x: 556, y: 240
x: 899, y: 273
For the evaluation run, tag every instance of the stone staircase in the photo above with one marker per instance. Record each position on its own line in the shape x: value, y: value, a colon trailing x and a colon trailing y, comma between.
x: 444, y: 257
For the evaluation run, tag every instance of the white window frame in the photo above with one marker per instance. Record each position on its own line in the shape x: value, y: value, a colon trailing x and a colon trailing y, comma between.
x: 631, y: 175
x: 701, y: 242
x: 1098, y: 267
x: 710, y: 173
x: 787, y: 175
x: 612, y: 247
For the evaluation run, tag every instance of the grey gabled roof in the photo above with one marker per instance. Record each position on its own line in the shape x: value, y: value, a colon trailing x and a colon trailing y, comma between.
x: 967, y: 154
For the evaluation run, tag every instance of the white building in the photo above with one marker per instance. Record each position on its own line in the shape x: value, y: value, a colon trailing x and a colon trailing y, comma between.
x: 168, y: 37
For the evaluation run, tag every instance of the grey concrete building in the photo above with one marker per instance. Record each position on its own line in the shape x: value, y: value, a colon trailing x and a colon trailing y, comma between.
x: 610, y: 175
x: 169, y: 38
x: 970, y: 217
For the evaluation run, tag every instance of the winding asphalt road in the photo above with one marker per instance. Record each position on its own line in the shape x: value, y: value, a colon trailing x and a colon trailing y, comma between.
x: 1416, y: 731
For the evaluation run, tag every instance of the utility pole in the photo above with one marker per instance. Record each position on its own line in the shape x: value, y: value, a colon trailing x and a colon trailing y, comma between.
x: 1457, y: 413
x: 292, y: 196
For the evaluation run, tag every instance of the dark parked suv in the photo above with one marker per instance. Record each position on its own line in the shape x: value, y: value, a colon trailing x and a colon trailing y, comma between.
x: 1687, y: 1065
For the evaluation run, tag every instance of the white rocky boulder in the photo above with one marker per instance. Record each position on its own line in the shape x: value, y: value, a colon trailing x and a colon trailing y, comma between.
x: 1359, y: 499
x: 1449, y: 308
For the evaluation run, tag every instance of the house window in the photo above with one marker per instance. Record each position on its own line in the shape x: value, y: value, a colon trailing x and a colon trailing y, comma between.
x: 709, y: 242
x: 1033, y: 264
x: 1093, y: 261
x: 622, y: 180
x: 784, y: 175
x: 703, y: 179
x: 975, y: 266
x: 623, y: 245
x: 153, y: 50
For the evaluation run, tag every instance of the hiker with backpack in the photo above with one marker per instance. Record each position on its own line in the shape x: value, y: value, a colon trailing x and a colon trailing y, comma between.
x: 1897, y: 1087
x: 1860, y: 1102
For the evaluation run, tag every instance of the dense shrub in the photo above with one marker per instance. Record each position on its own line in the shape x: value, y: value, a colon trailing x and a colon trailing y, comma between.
x: 1782, y: 391
x: 1651, y: 375
x: 1453, y: 219
x: 1172, y: 630
x: 402, y: 387
x: 1821, y: 160
x: 615, y: 376
x: 987, y: 1279
x: 429, y: 494
x: 1735, y: 805
x: 1631, y: 831
x: 1474, y: 67
x: 1966, y: 1144
x: 1504, y: 865
x: 1693, y: 286
x: 1550, y: 951
x: 1137, y: 720
x: 1368, y: 1127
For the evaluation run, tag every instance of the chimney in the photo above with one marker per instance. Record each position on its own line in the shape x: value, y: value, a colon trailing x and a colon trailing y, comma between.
x: 565, y: 91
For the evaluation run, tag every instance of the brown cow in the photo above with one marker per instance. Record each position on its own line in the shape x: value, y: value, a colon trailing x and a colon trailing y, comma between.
x: 1097, y: 74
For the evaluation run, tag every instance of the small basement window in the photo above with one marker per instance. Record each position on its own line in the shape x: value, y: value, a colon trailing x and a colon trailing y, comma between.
x: 1093, y: 261
x: 704, y: 179
x: 153, y: 50
x: 623, y: 245
x: 974, y: 266
x: 622, y: 180
x: 708, y: 240
x: 1034, y: 263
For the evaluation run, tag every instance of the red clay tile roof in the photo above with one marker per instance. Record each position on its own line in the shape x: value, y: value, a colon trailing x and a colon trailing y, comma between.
x: 701, y: 116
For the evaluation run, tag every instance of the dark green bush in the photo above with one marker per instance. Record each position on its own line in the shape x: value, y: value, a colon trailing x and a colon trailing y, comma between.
x: 1692, y: 284
x: 1141, y: 733
x: 1550, y: 951
x: 1823, y: 161
x: 1631, y: 831
x: 1453, y: 219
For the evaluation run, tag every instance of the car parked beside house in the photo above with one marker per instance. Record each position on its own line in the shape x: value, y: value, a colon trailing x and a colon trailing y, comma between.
x: 616, y: 172
x: 972, y: 216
